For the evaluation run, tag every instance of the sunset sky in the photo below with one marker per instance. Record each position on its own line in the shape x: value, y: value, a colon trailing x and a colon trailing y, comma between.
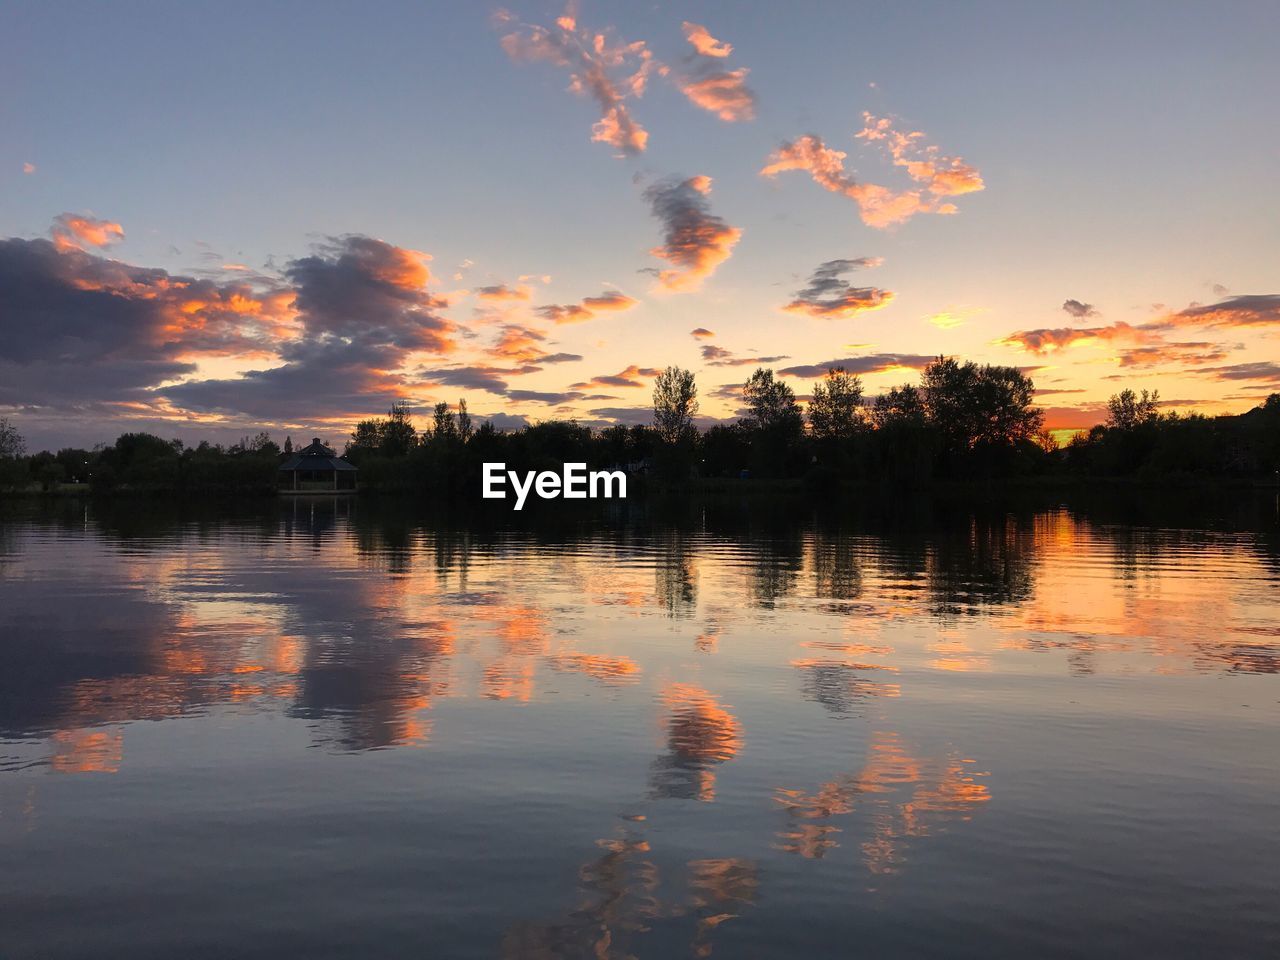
x: 219, y: 219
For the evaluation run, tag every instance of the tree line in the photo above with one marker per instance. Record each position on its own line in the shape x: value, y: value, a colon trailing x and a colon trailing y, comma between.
x: 962, y: 422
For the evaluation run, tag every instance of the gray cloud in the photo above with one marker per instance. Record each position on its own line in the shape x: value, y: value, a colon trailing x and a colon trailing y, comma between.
x: 538, y: 396
x: 1078, y: 309
x: 694, y: 240
x: 827, y: 295
x: 872, y: 363
x: 364, y: 307
x: 77, y: 329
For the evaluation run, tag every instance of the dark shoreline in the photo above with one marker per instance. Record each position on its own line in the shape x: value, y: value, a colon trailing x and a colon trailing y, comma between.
x: 644, y: 488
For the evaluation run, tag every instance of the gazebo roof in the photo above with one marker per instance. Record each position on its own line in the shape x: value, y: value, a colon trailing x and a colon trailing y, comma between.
x: 316, y: 456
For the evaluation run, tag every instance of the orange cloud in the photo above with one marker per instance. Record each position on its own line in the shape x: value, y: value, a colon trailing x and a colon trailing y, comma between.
x: 696, y: 241
x: 28, y: 168
x: 1246, y: 310
x: 1186, y: 353
x: 623, y: 378
x: 518, y: 343
x: 881, y: 206
x: 852, y: 302
x: 608, y: 72
x: 711, y: 87
x: 701, y: 333
x: 941, y: 175
x: 827, y: 295
x: 724, y: 93
x: 611, y: 301
x: 1046, y: 340
x: 73, y: 232
x: 703, y: 42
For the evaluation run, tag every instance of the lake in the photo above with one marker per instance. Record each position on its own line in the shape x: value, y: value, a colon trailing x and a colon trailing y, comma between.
x: 349, y: 728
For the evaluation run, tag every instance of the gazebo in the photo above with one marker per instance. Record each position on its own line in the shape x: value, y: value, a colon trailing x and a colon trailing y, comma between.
x: 315, y: 469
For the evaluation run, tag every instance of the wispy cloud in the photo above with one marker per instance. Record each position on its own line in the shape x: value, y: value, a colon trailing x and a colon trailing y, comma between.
x: 716, y: 356
x: 477, y: 377
x: 695, y: 241
x: 871, y: 363
x: 1047, y: 339
x: 630, y: 377
x: 942, y: 177
x: 1184, y: 353
x: 950, y: 319
x: 828, y: 295
x: 704, y: 43
x: 526, y: 345
x: 541, y: 396
x: 722, y: 92
x: 608, y: 71
x: 519, y: 343
x: 611, y: 301
x: 707, y: 83
x: 1264, y: 370
x: 924, y: 163
x: 500, y: 292
x: 1246, y: 310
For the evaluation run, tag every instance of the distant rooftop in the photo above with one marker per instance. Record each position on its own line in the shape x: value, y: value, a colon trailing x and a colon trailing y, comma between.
x: 316, y: 456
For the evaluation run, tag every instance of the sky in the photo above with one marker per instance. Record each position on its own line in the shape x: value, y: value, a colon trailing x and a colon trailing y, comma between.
x: 287, y: 216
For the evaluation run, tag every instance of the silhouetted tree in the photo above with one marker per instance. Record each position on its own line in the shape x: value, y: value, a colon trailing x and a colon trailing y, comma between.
x: 971, y: 405
x: 366, y: 438
x: 259, y: 445
x: 904, y: 446
x: 774, y: 421
x: 11, y: 442
x: 76, y: 463
x: 726, y: 450
x: 398, y: 433
x: 464, y: 421
x: 835, y: 412
x: 675, y: 401
x: 772, y: 405
x: 13, y: 471
x: 1127, y: 410
x: 445, y: 428
x: 899, y: 406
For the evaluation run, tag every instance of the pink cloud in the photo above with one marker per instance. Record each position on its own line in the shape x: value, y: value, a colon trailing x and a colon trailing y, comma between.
x: 608, y: 72
x: 695, y: 241
x: 611, y: 301
x: 879, y: 206
x: 703, y: 42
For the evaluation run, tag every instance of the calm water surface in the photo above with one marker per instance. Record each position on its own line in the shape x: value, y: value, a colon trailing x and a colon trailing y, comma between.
x: 340, y: 730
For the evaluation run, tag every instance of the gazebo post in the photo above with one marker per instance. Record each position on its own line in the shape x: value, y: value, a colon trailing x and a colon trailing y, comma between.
x: 335, y: 479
